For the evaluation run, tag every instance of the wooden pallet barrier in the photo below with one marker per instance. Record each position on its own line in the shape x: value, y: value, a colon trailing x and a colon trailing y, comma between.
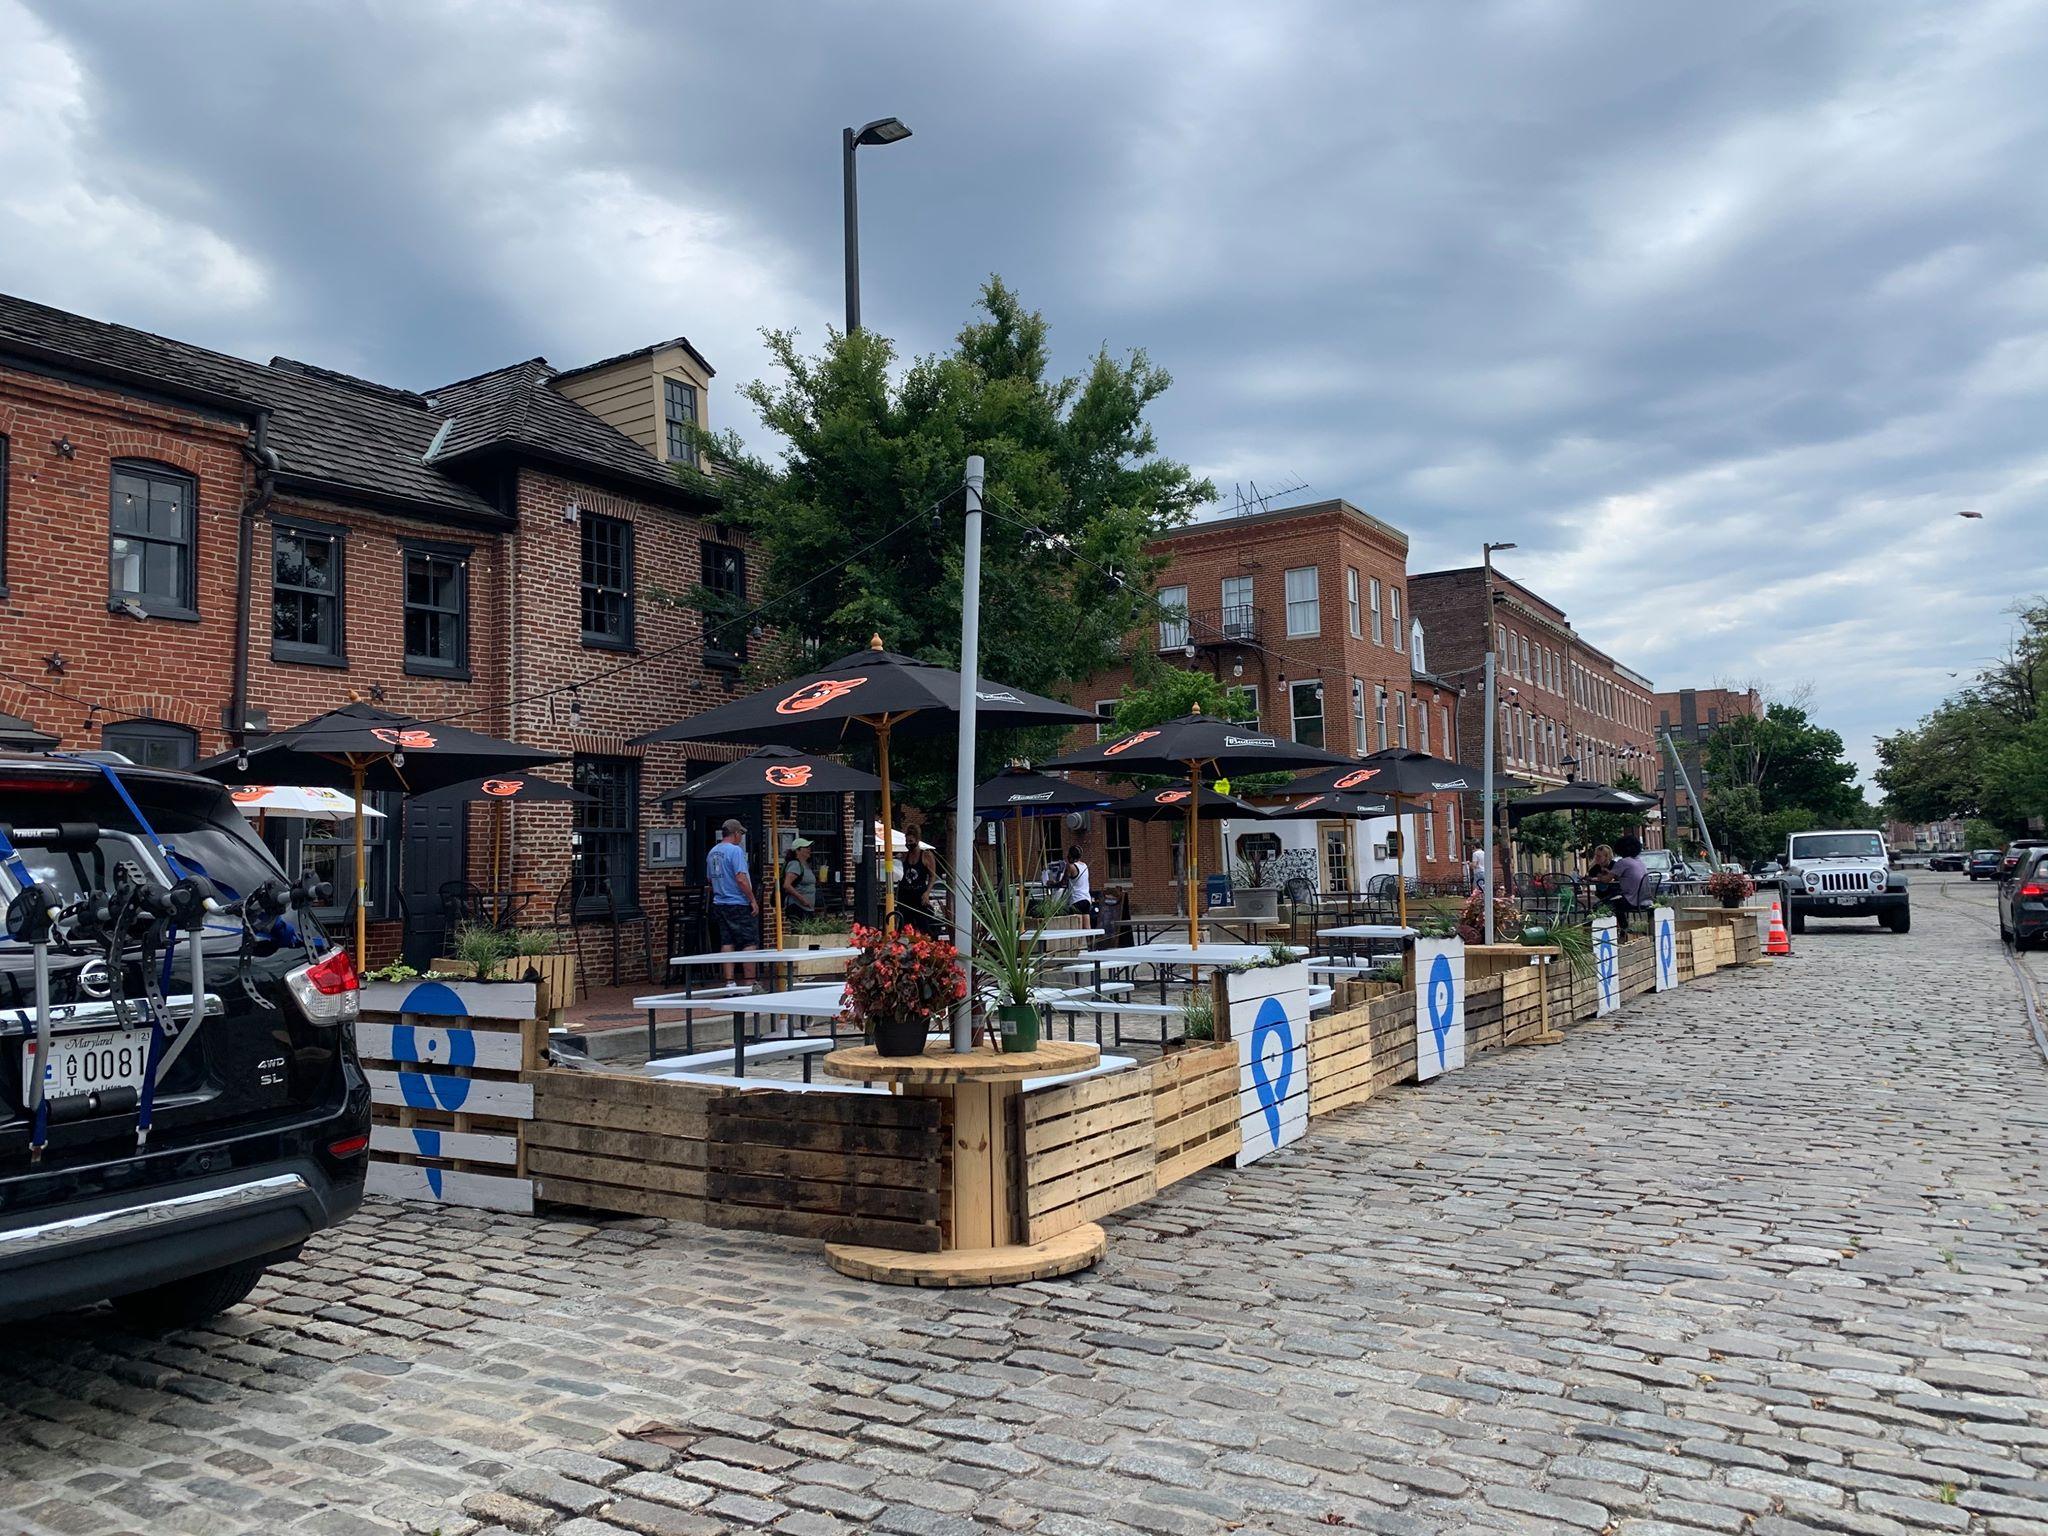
x: 1393, y: 1040
x: 1089, y: 1149
x: 1194, y: 1111
x: 1340, y: 1059
x: 1524, y: 1017
x: 1484, y: 1015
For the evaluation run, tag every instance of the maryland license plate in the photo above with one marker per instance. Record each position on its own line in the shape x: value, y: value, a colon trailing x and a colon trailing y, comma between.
x: 90, y: 1063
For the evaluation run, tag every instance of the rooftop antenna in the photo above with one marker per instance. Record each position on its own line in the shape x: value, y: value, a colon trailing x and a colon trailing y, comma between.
x: 1248, y: 499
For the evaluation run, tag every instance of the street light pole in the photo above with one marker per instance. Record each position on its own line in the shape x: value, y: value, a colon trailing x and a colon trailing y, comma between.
x: 883, y: 130
x: 963, y: 770
x: 1486, y: 870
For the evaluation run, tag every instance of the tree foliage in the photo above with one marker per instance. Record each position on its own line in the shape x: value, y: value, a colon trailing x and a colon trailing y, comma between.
x: 1984, y: 752
x: 1162, y: 692
x: 871, y: 475
x: 1788, y: 761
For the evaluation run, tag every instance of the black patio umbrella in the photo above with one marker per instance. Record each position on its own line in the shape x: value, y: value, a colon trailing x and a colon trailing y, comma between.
x: 360, y: 747
x: 1332, y: 805
x: 1396, y: 772
x: 877, y: 690
x: 1194, y: 744
x: 1580, y: 797
x: 767, y: 774
x: 1171, y: 804
x: 505, y: 789
x: 1019, y: 792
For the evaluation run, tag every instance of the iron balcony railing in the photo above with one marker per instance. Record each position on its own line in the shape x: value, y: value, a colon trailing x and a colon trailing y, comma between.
x: 1235, y: 624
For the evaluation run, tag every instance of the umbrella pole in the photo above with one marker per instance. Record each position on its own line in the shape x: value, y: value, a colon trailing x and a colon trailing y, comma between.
x: 1194, y: 859
x: 1401, y: 864
x: 774, y: 882
x: 358, y: 769
x: 1017, y: 857
x: 888, y: 826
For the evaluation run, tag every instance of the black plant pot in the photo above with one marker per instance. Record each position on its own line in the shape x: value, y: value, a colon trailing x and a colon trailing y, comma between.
x: 899, y: 1037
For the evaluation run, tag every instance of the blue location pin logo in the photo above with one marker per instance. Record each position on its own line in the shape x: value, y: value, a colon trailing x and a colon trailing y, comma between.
x: 1607, y: 964
x: 1271, y: 1034
x: 1442, y: 1001
x: 1667, y: 949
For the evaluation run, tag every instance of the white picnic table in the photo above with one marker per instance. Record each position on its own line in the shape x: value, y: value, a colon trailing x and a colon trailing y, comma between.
x: 1366, y: 931
x: 789, y: 956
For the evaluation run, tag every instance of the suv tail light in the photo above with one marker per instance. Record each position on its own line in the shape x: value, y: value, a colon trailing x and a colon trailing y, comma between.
x: 2034, y: 888
x: 326, y: 990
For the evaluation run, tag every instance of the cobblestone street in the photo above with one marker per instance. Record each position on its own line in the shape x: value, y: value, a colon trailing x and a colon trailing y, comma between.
x: 1766, y: 1255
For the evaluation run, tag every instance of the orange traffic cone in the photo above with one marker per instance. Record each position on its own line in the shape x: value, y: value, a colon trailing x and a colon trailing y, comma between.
x: 1778, y: 943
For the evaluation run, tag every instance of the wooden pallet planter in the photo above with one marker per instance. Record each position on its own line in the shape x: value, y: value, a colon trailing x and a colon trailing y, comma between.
x: 1638, y: 966
x: 445, y: 1061
x: 1524, y: 1015
x: 1699, y: 952
x: 1393, y: 1040
x: 856, y: 1168
x: 1573, y: 997
x: 1340, y: 1059
x: 1089, y: 1149
x: 1194, y: 1111
x: 553, y: 978
x: 1485, y: 1016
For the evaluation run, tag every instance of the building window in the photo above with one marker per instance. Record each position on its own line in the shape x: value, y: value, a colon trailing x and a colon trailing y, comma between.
x: 3, y: 512
x: 1416, y: 655
x: 1401, y: 716
x: 608, y: 826
x: 152, y: 743
x: 1173, y: 618
x: 1240, y: 616
x: 1305, y: 702
x: 1444, y: 714
x: 1527, y: 676
x: 151, y: 539
x: 436, y: 612
x: 1379, y: 715
x: 1116, y: 847
x: 1336, y: 857
x: 1422, y: 720
x: 1351, y: 601
x: 305, y: 594
x: 1244, y: 705
x: 1358, y: 717
x: 1429, y: 833
x: 679, y: 407
x: 1507, y: 734
x: 1394, y: 618
x: 607, y: 582
x: 1304, y: 602
x: 1105, y: 718
x: 1378, y: 636
x: 725, y: 579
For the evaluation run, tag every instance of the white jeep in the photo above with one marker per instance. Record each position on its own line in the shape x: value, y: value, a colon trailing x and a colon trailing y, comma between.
x: 1842, y: 874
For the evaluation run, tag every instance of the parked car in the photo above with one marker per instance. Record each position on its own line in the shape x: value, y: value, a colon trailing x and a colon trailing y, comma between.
x: 1983, y: 863
x: 1951, y: 861
x: 2008, y: 865
x: 1845, y: 873
x: 2023, y: 900
x: 1767, y: 869
x: 258, y: 1116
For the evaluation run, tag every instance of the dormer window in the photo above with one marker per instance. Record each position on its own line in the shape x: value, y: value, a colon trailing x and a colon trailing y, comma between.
x: 679, y: 408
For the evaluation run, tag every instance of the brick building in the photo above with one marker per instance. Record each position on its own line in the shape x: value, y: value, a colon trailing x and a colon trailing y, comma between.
x: 1565, y: 707
x: 467, y: 552
x: 1689, y: 716
x: 1306, y: 609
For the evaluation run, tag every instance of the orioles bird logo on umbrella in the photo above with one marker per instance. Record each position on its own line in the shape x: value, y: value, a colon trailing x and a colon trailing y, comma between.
x: 817, y: 695
x: 503, y: 786
x: 1169, y: 797
x: 407, y: 740
x: 1352, y: 779
x: 789, y: 775
x: 1128, y: 742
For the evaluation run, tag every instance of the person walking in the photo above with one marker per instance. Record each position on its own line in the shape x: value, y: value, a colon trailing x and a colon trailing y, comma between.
x: 914, y: 885
x: 799, y: 881
x: 735, y: 909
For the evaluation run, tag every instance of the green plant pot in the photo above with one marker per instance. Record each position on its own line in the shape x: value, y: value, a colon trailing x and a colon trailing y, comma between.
x: 899, y: 1037
x: 1019, y: 1026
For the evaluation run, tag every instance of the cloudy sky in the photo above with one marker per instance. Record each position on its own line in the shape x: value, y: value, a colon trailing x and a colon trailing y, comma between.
x: 1721, y: 312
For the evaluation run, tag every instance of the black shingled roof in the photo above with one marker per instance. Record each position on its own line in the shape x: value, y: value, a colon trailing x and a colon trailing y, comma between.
x: 336, y: 434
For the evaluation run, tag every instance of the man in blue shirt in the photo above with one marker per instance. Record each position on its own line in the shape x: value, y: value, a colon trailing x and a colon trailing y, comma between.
x: 734, y: 907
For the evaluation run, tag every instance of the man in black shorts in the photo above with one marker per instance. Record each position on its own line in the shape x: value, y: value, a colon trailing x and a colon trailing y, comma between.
x: 735, y: 909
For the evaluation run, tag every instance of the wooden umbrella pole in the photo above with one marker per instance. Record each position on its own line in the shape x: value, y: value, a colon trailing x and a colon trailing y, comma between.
x: 358, y: 769
x: 773, y: 886
x: 881, y: 724
x: 1194, y: 860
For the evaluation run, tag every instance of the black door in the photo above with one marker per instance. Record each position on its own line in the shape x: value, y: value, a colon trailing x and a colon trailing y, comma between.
x: 435, y: 852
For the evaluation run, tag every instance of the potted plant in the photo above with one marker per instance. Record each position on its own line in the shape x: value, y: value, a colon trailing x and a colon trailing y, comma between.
x: 1009, y: 949
x: 477, y: 949
x: 1732, y: 888
x: 485, y: 953
x: 898, y: 985
x: 1252, y: 894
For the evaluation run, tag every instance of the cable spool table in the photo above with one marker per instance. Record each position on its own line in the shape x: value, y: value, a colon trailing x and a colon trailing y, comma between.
x: 981, y: 1210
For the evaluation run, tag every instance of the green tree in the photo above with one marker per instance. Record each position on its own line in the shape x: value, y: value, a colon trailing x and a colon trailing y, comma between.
x: 1789, y: 762
x: 1547, y: 834
x: 1979, y: 833
x: 870, y: 475
x: 1735, y: 816
x: 1162, y: 692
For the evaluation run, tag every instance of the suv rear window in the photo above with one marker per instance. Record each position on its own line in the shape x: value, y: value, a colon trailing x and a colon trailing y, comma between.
x: 198, y: 821
x: 1838, y: 845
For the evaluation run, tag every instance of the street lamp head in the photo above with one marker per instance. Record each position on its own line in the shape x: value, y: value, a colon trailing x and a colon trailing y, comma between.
x: 883, y: 130
x: 1492, y: 547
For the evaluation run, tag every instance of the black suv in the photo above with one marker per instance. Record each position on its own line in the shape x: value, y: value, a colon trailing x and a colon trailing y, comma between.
x: 182, y: 1138
x: 2023, y: 900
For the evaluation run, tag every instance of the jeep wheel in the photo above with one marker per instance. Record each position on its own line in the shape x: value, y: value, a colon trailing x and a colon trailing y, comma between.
x: 1899, y: 922
x: 181, y: 1303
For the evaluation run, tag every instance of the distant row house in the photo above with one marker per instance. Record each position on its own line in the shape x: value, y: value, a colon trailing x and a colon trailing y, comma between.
x: 195, y: 548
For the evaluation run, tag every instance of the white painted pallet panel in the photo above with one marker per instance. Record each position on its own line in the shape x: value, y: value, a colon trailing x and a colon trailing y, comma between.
x: 1664, y: 935
x: 444, y: 1090
x: 1439, y: 984
x: 456, y: 1146
x: 1269, y: 1025
x: 451, y: 999
x: 437, y: 1045
x: 1606, y: 967
x: 450, y: 1186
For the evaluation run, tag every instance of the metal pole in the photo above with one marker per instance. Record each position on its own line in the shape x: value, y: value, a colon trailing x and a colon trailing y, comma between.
x: 1486, y: 768
x: 963, y: 771
x: 852, y: 236
x: 1699, y: 816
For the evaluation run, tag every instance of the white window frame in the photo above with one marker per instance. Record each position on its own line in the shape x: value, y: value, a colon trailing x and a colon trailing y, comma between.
x: 1351, y: 602
x: 1401, y: 716
x: 1429, y: 832
x: 1105, y: 723
x: 1251, y: 693
x: 1422, y: 720
x: 1379, y: 713
x: 1173, y: 633
x: 1237, y: 619
x: 1358, y: 738
x: 1304, y: 614
x: 1373, y: 593
x: 1394, y: 618
x: 1294, y: 715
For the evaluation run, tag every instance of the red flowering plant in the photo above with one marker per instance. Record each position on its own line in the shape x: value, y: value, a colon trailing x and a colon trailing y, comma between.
x: 1731, y: 886
x: 905, y: 975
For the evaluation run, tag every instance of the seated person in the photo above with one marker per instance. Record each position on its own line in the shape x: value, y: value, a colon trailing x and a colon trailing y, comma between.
x: 1632, y: 888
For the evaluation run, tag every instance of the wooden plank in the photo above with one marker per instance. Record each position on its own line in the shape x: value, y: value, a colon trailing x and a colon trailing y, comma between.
x: 623, y: 1088
x: 897, y: 1236
x: 978, y: 1196
x: 633, y: 1146
x: 432, y: 1045
x: 614, y: 1197
x: 827, y: 1108
x: 627, y: 1174
x: 1062, y: 1255
x: 1068, y: 1098
x: 426, y: 1141
x: 918, y: 1140
x: 1173, y: 1169
x: 440, y: 999
x: 830, y: 1167
x: 450, y: 1186
x: 796, y: 1195
x: 427, y: 1090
